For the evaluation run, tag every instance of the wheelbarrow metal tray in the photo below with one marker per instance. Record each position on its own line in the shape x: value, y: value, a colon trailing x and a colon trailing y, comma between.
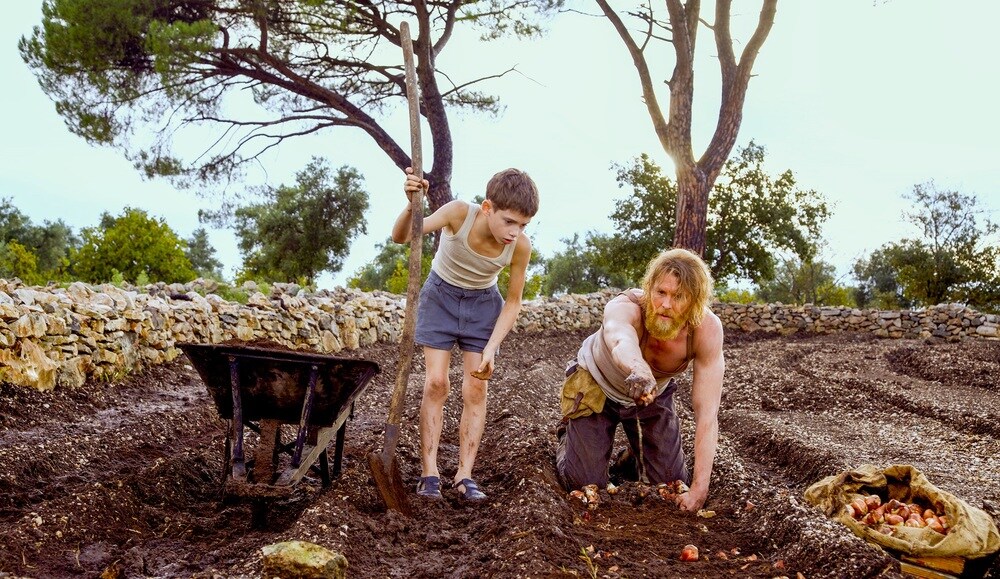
x: 273, y: 382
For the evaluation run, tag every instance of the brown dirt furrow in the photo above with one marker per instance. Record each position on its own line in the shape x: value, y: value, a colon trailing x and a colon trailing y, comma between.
x: 130, y: 473
x: 69, y: 451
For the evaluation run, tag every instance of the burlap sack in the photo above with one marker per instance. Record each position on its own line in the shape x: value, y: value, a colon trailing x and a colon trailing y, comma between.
x: 972, y: 532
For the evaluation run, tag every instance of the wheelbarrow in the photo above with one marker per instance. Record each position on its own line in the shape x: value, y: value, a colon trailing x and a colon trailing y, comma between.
x: 262, y: 389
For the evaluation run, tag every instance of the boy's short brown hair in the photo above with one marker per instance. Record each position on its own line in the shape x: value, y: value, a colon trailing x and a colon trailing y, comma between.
x: 513, y: 190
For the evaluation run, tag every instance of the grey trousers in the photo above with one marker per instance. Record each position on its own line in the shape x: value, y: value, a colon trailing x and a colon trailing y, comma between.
x: 584, y: 450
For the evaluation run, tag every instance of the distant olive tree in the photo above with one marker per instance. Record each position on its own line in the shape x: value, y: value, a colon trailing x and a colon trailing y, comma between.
x: 298, y: 231
x: 134, y: 246
x: 582, y: 267
x: 48, y: 244
x: 676, y: 23
x: 753, y: 217
x: 956, y: 258
x: 201, y: 254
x: 810, y: 281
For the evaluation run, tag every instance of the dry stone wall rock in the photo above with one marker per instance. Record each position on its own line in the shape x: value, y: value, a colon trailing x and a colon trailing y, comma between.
x: 53, y: 336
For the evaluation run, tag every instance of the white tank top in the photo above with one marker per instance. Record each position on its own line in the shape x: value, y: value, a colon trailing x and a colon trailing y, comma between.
x: 460, y: 266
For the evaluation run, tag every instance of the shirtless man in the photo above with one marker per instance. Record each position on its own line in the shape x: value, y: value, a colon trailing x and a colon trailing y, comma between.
x: 624, y: 375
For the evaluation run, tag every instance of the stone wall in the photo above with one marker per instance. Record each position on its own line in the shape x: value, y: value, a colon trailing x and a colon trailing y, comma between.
x: 53, y: 336
x: 951, y: 322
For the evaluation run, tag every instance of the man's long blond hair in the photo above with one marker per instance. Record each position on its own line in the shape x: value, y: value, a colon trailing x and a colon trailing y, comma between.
x: 694, y: 278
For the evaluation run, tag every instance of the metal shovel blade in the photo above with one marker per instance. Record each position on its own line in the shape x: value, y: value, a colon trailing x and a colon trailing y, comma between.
x: 388, y: 479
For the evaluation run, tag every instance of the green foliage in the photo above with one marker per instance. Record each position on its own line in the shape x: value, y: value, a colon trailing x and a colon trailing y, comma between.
x: 583, y: 268
x: 13, y: 224
x: 878, y: 281
x: 751, y: 217
x: 399, y: 281
x: 391, y: 257
x: 131, y: 244
x: 233, y: 294
x: 119, y: 69
x: 50, y: 244
x: 805, y: 282
x: 17, y: 261
x: 303, y: 230
x: 201, y: 254
x: 956, y: 259
x: 533, y: 277
x: 241, y: 294
x: 727, y: 295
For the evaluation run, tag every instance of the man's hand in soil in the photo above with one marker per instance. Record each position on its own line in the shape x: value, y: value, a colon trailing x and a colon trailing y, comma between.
x: 692, y: 500
x: 641, y: 387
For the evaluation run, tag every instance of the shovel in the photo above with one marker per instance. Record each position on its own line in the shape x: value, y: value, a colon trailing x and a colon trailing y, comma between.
x: 384, y: 466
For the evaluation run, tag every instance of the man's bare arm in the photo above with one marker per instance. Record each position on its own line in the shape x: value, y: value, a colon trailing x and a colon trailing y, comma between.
x: 622, y: 318
x: 706, y: 395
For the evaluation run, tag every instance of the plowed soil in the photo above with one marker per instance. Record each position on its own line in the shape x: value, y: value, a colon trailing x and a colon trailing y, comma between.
x: 125, y: 479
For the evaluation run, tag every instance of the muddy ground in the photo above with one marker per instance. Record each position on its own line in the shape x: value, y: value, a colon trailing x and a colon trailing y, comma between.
x: 125, y: 479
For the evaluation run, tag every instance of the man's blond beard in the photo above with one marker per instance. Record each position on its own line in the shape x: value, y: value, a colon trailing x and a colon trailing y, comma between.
x: 662, y: 330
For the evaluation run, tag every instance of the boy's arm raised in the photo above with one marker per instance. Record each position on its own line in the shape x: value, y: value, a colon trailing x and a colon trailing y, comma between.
x: 446, y: 215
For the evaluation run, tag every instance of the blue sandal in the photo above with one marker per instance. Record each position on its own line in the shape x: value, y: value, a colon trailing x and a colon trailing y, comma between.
x: 472, y: 492
x: 429, y: 487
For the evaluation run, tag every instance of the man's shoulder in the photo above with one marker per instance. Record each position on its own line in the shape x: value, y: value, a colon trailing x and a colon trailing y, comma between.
x: 623, y: 308
x: 632, y: 296
x: 710, y: 330
x: 626, y: 299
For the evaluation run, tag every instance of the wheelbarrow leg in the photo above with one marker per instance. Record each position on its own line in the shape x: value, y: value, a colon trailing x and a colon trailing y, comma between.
x: 239, y: 461
x: 338, y: 452
x: 324, y: 468
x: 300, y: 440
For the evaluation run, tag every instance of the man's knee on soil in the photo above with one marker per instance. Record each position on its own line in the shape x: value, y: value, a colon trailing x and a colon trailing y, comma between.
x: 573, y: 470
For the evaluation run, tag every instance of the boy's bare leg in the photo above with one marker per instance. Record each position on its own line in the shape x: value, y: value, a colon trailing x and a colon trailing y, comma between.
x: 473, y: 415
x: 436, y: 389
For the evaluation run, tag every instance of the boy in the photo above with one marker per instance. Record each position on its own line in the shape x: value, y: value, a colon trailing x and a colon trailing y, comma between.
x: 460, y: 303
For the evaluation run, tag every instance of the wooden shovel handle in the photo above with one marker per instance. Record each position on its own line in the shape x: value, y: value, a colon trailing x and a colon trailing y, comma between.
x: 406, y: 341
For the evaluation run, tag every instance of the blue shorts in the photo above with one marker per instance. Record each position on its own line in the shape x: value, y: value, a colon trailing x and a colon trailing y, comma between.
x: 448, y: 314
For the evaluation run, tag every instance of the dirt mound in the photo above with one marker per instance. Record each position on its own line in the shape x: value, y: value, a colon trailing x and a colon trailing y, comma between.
x: 129, y: 474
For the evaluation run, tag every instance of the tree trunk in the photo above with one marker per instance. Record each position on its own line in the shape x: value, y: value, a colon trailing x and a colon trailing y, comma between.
x: 694, y: 178
x: 439, y: 173
x: 692, y: 209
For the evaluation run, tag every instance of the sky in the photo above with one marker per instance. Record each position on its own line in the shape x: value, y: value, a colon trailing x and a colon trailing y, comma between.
x: 861, y: 99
